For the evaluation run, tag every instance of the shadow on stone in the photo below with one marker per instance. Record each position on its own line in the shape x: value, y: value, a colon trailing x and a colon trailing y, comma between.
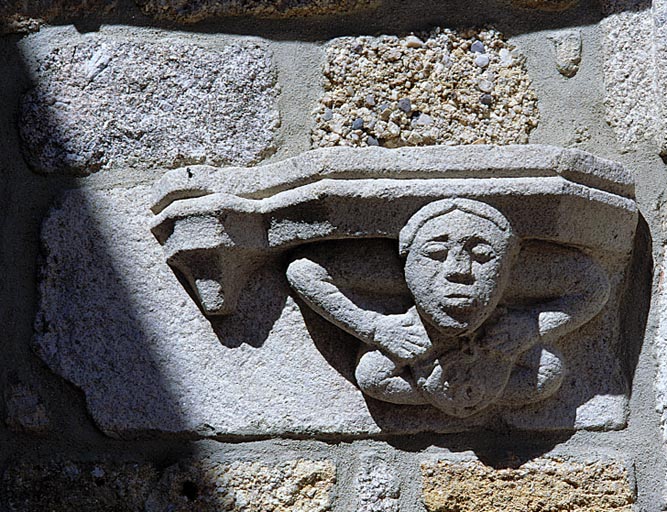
x: 260, y: 305
x: 636, y: 300
x: 390, y: 17
x: 71, y: 465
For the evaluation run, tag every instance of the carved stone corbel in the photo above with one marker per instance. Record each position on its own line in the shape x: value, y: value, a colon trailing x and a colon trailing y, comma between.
x: 497, y: 254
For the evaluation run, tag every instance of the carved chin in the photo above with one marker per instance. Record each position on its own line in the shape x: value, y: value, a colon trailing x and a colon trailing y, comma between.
x: 456, y: 318
x: 451, y: 322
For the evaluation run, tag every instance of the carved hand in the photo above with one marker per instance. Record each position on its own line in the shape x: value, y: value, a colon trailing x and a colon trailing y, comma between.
x: 403, y: 337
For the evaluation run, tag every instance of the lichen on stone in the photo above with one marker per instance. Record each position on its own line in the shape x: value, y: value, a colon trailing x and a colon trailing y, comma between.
x: 444, y: 87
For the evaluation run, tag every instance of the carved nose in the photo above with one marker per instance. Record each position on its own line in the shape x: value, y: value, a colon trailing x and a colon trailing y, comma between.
x: 458, y: 267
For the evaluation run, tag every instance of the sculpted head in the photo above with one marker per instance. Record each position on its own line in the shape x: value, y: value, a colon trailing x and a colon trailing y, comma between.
x: 458, y: 256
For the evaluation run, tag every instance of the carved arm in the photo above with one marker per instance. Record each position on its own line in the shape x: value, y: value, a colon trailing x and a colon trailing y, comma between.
x: 564, y: 289
x: 402, y: 336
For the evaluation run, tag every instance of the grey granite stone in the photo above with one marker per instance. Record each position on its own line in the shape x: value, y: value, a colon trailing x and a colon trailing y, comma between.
x: 629, y: 72
x: 262, y: 358
x: 661, y: 352
x: 635, y: 74
x: 105, y: 101
x: 377, y: 484
x: 659, y: 15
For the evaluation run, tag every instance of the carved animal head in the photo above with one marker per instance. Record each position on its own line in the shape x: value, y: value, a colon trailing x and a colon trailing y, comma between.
x: 458, y: 256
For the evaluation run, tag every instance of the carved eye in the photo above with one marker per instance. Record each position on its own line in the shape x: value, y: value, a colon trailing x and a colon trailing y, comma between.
x: 482, y: 252
x: 435, y: 250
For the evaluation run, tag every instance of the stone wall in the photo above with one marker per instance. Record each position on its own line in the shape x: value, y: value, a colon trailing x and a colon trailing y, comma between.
x: 130, y: 384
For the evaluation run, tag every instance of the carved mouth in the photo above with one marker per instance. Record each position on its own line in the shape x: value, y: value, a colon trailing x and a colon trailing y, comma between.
x: 458, y: 300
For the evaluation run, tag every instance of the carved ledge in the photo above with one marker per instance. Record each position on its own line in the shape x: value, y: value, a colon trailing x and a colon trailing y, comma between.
x: 470, y: 277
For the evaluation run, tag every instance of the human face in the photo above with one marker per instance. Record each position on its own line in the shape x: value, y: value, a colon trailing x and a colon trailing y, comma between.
x: 456, y: 270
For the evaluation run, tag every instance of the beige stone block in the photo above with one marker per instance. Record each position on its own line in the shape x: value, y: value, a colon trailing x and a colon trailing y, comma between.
x: 295, y: 486
x: 552, y: 484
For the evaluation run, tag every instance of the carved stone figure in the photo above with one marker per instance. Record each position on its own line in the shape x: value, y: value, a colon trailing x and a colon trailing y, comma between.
x: 456, y: 348
x: 350, y: 291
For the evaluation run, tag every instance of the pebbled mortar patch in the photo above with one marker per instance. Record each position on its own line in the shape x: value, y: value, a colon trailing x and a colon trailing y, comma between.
x: 443, y: 87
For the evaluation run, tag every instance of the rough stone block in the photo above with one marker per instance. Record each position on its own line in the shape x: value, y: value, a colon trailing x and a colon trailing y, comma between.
x: 189, y: 11
x: 553, y: 484
x: 661, y: 351
x: 443, y: 87
x: 293, y: 486
x: 105, y: 101
x: 259, y: 359
x: 72, y: 485
x: 377, y: 484
x: 635, y: 74
x: 25, y: 409
x: 659, y: 68
x: 202, y: 485
x: 630, y: 71
x: 28, y: 16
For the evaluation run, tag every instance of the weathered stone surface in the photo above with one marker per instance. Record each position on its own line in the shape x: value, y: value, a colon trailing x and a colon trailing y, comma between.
x: 71, y: 485
x: 659, y: 15
x: 442, y: 87
x: 629, y: 71
x: 293, y: 486
x: 115, y: 320
x: 25, y: 409
x: 377, y: 484
x: 103, y: 102
x: 568, y: 52
x: 635, y: 73
x: 189, y: 11
x: 661, y: 351
x: 545, y: 5
x: 553, y: 484
x: 28, y: 16
x: 201, y: 485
